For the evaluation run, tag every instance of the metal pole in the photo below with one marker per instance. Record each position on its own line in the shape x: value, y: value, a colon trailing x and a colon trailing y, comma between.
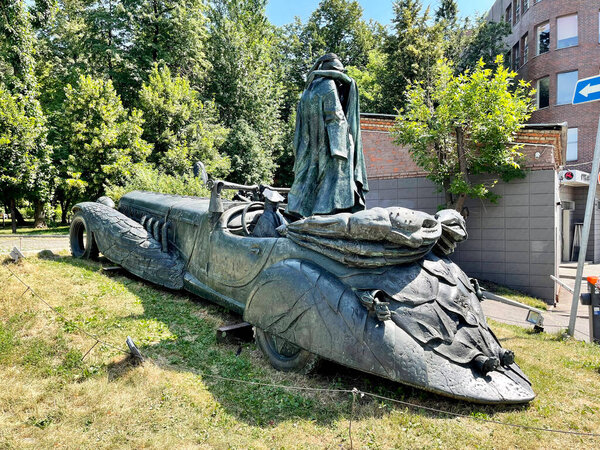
x: 587, y: 222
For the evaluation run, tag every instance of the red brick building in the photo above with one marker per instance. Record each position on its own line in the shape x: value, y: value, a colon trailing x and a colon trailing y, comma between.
x: 553, y: 44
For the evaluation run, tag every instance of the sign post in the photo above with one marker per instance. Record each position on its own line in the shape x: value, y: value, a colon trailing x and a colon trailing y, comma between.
x: 586, y: 90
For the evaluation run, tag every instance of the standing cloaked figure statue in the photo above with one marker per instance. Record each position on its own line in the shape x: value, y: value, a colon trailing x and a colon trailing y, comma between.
x: 330, y: 173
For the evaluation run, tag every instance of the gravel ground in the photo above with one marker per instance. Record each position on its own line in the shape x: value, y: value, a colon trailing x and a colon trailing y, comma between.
x: 33, y: 243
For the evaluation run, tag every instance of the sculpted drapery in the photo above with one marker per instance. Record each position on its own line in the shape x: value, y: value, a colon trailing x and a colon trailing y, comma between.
x: 330, y: 173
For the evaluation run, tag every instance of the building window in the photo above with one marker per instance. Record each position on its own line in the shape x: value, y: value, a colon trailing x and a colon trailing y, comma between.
x: 508, y: 59
x: 516, y: 57
x: 566, y: 31
x: 543, y: 36
x: 525, y: 6
x: 572, y: 135
x: 565, y: 85
x: 508, y: 14
x: 517, y: 10
x: 525, y: 47
x: 543, y: 92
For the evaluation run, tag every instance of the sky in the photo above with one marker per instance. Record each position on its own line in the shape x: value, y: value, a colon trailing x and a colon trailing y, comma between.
x: 281, y: 12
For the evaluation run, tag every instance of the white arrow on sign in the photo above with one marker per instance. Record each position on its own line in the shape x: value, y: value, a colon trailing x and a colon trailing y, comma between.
x: 589, y: 89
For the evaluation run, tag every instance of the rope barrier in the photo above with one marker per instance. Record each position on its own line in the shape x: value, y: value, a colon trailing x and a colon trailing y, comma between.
x: 353, y: 391
x: 66, y: 319
x: 356, y: 391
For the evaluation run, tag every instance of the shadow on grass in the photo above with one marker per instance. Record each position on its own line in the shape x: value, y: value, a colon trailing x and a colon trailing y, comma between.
x: 192, y: 347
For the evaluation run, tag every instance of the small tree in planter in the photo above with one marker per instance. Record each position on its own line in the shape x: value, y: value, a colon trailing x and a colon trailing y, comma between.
x: 465, y: 125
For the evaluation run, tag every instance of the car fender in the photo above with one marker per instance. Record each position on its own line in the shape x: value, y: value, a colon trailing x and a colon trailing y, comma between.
x: 310, y: 307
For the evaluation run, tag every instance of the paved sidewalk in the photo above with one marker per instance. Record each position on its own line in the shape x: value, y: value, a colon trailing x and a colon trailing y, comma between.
x: 34, y: 243
x: 556, y: 318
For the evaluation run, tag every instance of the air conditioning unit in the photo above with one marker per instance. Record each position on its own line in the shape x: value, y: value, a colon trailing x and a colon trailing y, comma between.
x: 567, y: 205
x: 574, y: 178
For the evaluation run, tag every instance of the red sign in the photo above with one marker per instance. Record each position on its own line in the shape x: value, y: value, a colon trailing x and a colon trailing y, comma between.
x: 568, y: 175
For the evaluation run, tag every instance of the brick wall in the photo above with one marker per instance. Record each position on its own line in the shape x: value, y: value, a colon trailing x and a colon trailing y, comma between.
x: 385, y: 159
x: 584, y: 57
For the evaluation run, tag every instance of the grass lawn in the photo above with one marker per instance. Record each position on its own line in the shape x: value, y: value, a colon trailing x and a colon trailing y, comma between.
x: 514, y: 295
x: 53, y: 398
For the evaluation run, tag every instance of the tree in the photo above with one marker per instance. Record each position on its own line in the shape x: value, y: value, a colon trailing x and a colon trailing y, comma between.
x: 411, y: 51
x: 169, y: 32
x: 337, y: 26
x: 485, y: 42
x: 368, y: 80
x: 447, y: 12
x: 21, y: 136
x: 99, y: 141
x: 17, y: 67
x: 181, y: 128
x: 465, y: 125
x: 244, y: 79
x: 252, y: 162
x: 457, y: 34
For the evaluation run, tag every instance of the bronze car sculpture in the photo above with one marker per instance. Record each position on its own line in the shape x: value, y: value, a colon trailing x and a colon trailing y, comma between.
x: 373, y: 290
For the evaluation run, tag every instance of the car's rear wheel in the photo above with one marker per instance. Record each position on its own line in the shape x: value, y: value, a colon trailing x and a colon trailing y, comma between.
x: 285, y: 356
x: 81, y: 239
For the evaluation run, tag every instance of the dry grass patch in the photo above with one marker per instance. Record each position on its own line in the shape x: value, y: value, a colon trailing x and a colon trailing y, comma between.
x: 53, y: 398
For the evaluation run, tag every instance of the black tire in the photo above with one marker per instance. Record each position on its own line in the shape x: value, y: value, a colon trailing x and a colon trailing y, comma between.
x: 285, y: 356
x: 81, y: 239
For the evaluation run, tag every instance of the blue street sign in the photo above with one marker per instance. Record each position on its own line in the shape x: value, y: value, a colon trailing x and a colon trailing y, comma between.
x: 587, y: 90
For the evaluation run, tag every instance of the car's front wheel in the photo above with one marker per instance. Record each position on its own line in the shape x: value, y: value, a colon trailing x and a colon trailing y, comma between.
x: 285, y: 356
x: 81, y: 238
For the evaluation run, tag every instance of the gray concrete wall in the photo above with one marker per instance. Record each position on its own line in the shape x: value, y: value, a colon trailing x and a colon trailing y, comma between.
x: 511, y: 242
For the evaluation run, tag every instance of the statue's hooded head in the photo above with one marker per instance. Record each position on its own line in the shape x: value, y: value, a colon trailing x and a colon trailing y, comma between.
x: 330, y: 61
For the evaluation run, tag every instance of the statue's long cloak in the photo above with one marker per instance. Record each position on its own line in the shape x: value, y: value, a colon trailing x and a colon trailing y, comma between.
x: 330, y: 173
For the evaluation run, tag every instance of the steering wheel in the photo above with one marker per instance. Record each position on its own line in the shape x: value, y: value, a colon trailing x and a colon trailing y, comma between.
x: 249, y: 206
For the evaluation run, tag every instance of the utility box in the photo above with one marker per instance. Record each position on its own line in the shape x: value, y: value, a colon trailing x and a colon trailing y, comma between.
x: 592, y: 300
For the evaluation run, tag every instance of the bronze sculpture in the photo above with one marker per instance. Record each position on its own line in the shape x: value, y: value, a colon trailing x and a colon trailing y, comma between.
x: 372, y: 289
x: 330, y: 173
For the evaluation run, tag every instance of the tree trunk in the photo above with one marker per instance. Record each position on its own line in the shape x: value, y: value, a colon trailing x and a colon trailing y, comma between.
x: 64, y: 210
x: 13, y: 215
x: 462, y: 166
x: 20, y: 219
x: 460, y: 202
x: 39, y: 215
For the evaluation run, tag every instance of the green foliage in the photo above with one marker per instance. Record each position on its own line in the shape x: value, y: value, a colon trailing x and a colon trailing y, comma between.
x: 147, y: 178
x: 98, y: 140
x: 251, y: 162
x: 411, y: 51
x: 337, y: 26
x: 368, y: 81
x: 447, y: 11
x: 25, y: 164
x: 245, y: 79
x: 465, y: 125
x: 485, y: 41
x: 181, y: 128
x: 17, y: 58
x: 168, y: 32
